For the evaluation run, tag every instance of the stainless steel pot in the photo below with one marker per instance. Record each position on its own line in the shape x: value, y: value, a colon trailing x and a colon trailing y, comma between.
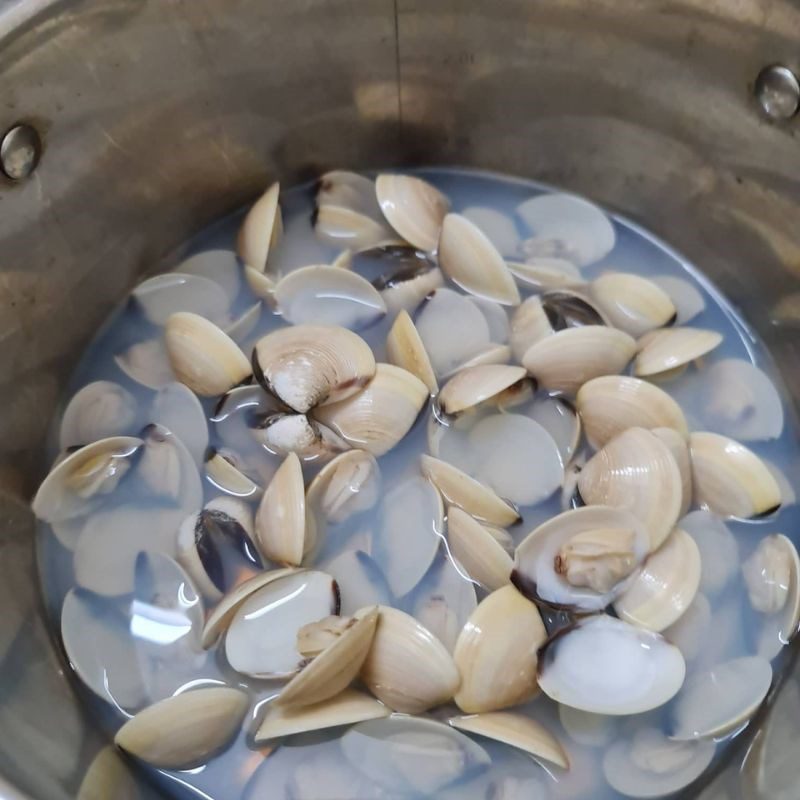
x: 157, y: 117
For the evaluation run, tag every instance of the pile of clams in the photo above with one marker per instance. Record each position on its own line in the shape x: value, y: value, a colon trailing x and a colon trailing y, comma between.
x: 447, y: 491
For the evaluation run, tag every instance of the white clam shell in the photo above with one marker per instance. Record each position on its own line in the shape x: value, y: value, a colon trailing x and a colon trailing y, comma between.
x: 147, y: 363
x: 226, y: 475
x: 633, y: 304
x: 344, y: 227
x: 413, y: 207
x: 347, y: 485
x: 97, y: 411
x: 219, y: 266
x: 162, y: 296
x: 176, y: 408
x: 691, y: 631
x: 669, y: 349
x: 406, y: 291
x: 491, y: 354
x: 473, y: 385
x: 496, y: 226
x: 546, y: 273
x: 405, y: 349
x: 685, y: 296
x: 301, y: 435
x: 496, y: 318
x: 529, y: 324
x: 719, y: 551
x: 261, y: 284
x: 340, y: 187
x: 361, y: 581
x: 477, y: 551
x: 560, y: 419
x: 261, y: 229
x: 585, y: 728
x: 240, y: 328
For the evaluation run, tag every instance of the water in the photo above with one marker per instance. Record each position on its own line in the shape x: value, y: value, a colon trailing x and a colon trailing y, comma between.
x: 138, y: 654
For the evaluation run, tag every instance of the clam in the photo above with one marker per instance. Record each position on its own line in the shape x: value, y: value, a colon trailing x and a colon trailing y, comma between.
x: 176, y: 408
x: 99, y: 410
x: 310, y: 365
x: 261, y: 229
x: 202, y: 356
x: 460, y: 489
x: 407, y: 667
x: 731, y: 480
x: 341, y: 187
x: 633, y: 304
x: 561, y: 420
x: 496, y: 318
x: 606, y: 666
x: 381, y: 414
x: 719, y: 551
x: 610, y: 404
x: 571, y: 308
x: 261, y: 284
x: 146, y: 363
x: 344, y: 227
x: 529, y: 324
x: 636, y: 471
x: 679, y: 447
x: 160, y: 297
x: 477, y: 551
x: 720, y: 700
x: 361, y: 581
x: 516, y: 730
x: 566, y: 226
x: 326, y: 296
x: 186, y: 730
x: 412, y: 756
x: 581, y: 559
x: 498, y: 227
x: 223, y: 470
x: 665, y: 587
x: 167, y: 469
x: 261, y: 638
x: 84, y: 477
x: 542, y: 273
x: 651, y: 765
x: 471, y: 261
x: 665, y: 350
x: 567, y: 359
x: 333, y: 669
x: 346, y: 708
x: 241, y: 327
x: 219, y: 266
x: 685, y: 297
x: 405, y: 349
x: 691, y: 631
x: 585, y: 728
x: 283, y: 434
x: 406, y: 288
x: 345, y: 486
x: 496, y: 652
x: 109, y: 777
x: 413, y: 207
x: 281, y: 515
x: 411, y: 530
x: 473, y: 385
x: 491, y: 354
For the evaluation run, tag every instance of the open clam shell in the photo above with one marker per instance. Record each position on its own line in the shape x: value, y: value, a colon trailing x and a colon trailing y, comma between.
x: 340, y: 187
x: 381, y: 414
x: 261, y: 284
x: 219, y: 266
x: 361, y: 581
x: 309, y: 365
x: 559, y: 418
x: 261, y: 229
x: 99, y: 410
x: 413, y: 207
x: 283, y: 434
x: 239, y: 328
x: 529, y: 324
x: 498, y: 227
x: 405, y: 349
x: 669, y: 349
x: 203, y: 356
x: 610, y: 404
x: 345, y: 486
x: 344, y: 227
x: 491, y: 354
x: 471, y: 386
x: 224, y: 471
x: 407, y: 667
x: 146, y: 363
x: 566, y: 360
x: 581, y: 559
x: 606, y: 666
x: 666, y: 585
x: 496, y: 652
x: 406, y: 288
x: 477, y: 551
x: 161, y: 296
x: 544, y: 273
x: 470, y: 260
x: 729, y: 479
x: 637, y: 471
x: 719, y: 550
x: 685, y: 296
x: 176, y: 408
x: 186, y: 730
x: 633, y: 304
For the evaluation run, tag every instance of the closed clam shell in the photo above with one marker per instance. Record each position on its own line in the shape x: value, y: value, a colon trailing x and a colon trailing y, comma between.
x: 261, y: 229
x: 477, y: 551
x: 665, y: 587
x: 473, y: 385
x: 381, y: 414
x: 309, y: 365
x: 405, y: 349
x: 408, y: 668
x: 633, y: 304
x: 462, y: 490
x: 569, y: 358
x: 413, y: 207
x: 97, y: 411
x: 679, y: 447
x: 730, y: 479
x: 203, y: 356
x: 637, y: 471
x: 610, y: 404
x: 517, y: 730
x: 496, y: 652
x: 669, y: 349
x: 529, y: 324
x: 335, y: 667
x: 470, y: 260
x: 186, y: 730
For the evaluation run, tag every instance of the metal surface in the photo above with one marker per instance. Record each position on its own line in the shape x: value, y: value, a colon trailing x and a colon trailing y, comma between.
x: 778, y: 92
x: 20, y: 151
x: 157, y: 117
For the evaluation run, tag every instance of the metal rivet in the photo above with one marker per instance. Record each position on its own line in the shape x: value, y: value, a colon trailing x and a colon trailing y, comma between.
x: 778, y: 92
x: 20, y: 151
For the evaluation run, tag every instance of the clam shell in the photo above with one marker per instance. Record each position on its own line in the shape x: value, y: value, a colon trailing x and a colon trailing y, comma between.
x: 470, y: 260
x: 224, y: 473
x: 406, y: 289
x: 240, y: 328
x: 685, y: 297
x: 413, y: 207
x: 729, y: 479
x: 324, y: 295
x: 161, y: 296
x: 633, y: 304
x: 610, y: 404
x: 381, y: 414
x: 146, y: 363
x: 219, y: 266
x: 679, y: 447
x: 491, y: 354
x: 408, y: 668
x: 473, y: 385
x: 261, y: 284
x: 344, y: 709
x: 516, y: 730
x: 590, y: 730
x: 202, y: 356
x: 665, y: 587
x: 719, y: 551
x: 186, y: 730
x: 496, y: 652
x: 546, y: 273
x: 341, y: 187
x: 176, y: 408
x: 497, y: 226
x: 345, y: 486
x: 334, y: 668
x: 99, y: 410
x: 496, y: 318
x: 261, y: 229
x: 477, y: 551
x: 309, y: 365
x: 361, y: 581
x: 459, y: 489
x: 109, y: 777
x: 636, y: 471
x: 529, y: 324
x: 560, y: 419
x: 569, y: 358
x: 301, y: 435
x: 344, y: 227
x: 691, y: 632
x: 666, y: 350
x: 405, y: 349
